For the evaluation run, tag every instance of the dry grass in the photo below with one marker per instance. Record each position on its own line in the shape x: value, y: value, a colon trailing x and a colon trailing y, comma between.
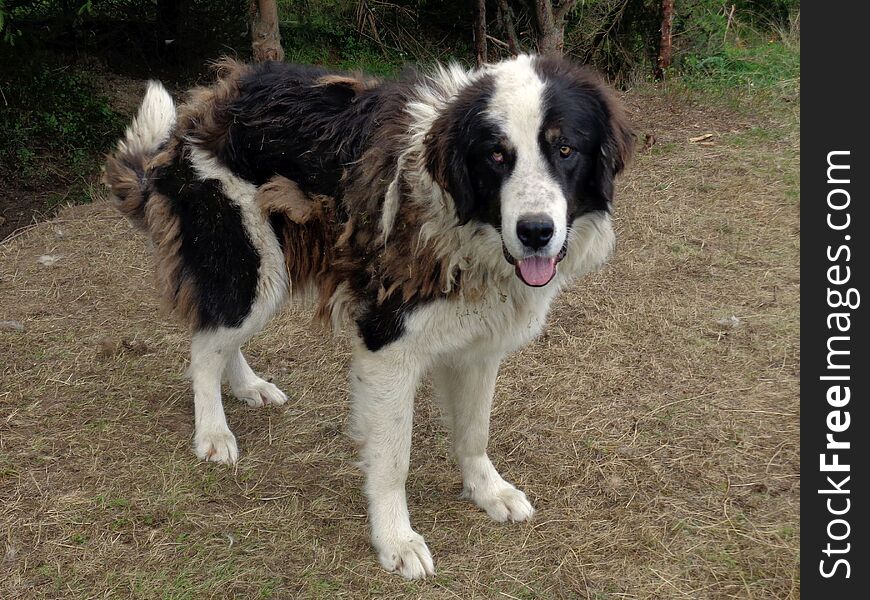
x: 659, y: 446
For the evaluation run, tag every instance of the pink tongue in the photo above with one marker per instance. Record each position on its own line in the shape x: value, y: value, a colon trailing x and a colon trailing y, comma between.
x: 537, y: 270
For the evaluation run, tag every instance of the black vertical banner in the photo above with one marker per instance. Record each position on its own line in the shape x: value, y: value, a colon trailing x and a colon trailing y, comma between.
x: 835, y: 224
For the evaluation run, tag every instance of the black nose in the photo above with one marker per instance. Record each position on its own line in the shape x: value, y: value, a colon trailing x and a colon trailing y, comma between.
x: 535, y: 231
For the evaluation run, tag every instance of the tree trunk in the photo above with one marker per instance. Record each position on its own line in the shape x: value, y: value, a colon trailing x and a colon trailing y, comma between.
x: 665, y: 44
x: 265, y: 37
x: 506, y: 20
x: 551, y: 41
x: 550, y: 22
x: 480, y: 32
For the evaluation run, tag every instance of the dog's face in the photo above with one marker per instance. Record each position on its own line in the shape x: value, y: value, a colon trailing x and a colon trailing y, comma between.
x: 533, y: 145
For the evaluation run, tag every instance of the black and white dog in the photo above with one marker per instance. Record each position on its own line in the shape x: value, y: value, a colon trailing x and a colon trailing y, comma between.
x: 436, y: 216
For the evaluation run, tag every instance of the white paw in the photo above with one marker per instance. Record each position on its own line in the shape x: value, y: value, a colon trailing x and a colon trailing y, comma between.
x: 261, y: 393
x: 502, y: 502
x: 216, y: 446
x: 406, y: 554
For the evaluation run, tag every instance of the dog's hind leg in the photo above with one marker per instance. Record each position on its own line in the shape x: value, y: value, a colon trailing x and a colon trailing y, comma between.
x: 248, y: 386
x: 216, y: 353
x: 210, y: 351
x: 272, y: 291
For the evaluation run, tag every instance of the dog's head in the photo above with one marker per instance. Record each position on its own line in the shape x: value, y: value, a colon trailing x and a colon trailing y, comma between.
x: 529, y: 147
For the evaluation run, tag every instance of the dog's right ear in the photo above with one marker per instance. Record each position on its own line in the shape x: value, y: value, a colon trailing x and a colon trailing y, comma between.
x: 448, y: 145
x: 446, y: 162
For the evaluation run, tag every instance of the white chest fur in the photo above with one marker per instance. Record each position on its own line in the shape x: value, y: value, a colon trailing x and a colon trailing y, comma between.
x: 501, y: 322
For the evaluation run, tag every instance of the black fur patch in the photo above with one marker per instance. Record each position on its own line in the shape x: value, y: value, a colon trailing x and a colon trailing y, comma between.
x: 459, y: 154
x: 581, y: 120
x: 577, y: 106
x: 285, y: 122
x: 383, y: 324
x: 216, y: 251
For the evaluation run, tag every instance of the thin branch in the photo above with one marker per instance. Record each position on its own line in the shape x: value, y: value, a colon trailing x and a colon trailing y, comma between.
x: 494, y: 40
x: 728, y: 24
x: 602, y: 34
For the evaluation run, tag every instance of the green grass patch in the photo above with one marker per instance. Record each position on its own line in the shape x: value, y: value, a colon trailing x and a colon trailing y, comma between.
x: 753, y: 136
x: 774, y: 65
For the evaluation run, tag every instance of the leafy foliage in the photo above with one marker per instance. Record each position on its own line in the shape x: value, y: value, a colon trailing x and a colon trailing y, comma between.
x: 55, y: 121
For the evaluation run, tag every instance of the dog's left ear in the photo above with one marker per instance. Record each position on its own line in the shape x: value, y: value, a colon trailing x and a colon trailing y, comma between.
x: 617, y: 148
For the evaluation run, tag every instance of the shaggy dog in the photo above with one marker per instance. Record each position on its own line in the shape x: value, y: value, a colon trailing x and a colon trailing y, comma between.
x: 436, y: 216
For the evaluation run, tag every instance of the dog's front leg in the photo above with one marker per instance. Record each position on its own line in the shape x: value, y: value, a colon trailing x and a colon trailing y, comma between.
x: 465, y: 384
x: 383, y: 386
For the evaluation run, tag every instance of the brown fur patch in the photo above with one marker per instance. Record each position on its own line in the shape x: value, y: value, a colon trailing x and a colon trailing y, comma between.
x: 123, y: 174
x: 356, y: 81
x: 178, y: 293
x: 204, y: 116
x: 126, y: 174
x: 367, y: 181
x: 307, y: 229
x: 281, y: 195
x: 371, y: 266
x: 552, y: 134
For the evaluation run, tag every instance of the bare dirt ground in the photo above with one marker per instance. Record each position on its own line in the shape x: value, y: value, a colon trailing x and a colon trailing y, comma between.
x: 656, y: 436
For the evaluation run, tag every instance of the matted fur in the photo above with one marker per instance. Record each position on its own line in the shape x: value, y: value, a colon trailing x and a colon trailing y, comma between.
x: 177, y: 292
x: 126, y: 173
x: 150, y: 212
x: 356, y: 81
x: 123, y: 173
x: 400, y: 236
x: 203, y: 118
x: 307, y: 229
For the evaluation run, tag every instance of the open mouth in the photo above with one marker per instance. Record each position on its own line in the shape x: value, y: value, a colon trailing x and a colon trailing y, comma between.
x: 536, y: 271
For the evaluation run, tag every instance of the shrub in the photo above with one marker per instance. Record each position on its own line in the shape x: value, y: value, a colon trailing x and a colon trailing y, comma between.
x: 55, y: 121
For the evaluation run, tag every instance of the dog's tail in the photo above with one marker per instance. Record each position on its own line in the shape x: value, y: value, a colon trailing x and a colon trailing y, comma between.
x: 127, y: 168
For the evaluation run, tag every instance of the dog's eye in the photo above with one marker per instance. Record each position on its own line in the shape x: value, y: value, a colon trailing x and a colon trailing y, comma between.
x: 565, y: 151
x: 498, y: 157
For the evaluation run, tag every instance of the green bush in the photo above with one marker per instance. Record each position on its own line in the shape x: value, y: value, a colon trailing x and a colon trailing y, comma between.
x: 706, y: 28
x: 379, y: 38
x: 56, y: 121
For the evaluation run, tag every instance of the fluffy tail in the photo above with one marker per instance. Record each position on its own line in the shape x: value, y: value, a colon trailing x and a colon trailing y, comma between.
x: 126, y: 171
